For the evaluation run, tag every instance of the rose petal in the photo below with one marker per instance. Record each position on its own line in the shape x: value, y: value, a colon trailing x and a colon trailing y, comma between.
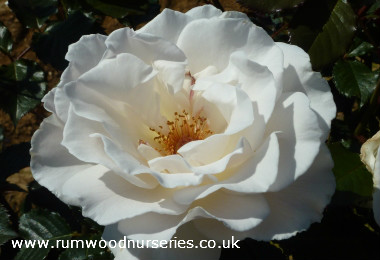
x: 299, y: 76
x: 186, y: 233
x: 146, y: 47
x: 205, y: 11
x: 167, y: 25
x: 83, y: 56
x: 219, y: 38
x: 48, y: 101
x: 87, y: 52
x: 51, y: 164
x: 108, y: 198
x: 299, y: 138
x: 291, y: 210
x: 255, y: 176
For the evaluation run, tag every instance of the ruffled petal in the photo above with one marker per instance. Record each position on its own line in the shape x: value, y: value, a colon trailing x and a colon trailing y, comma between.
x: 51, y: 164
x: 208, y: 42
x: 186, y: 232
x: 205, y: 11
x: 87, y: 52
x: 299, y: 76
x: 254, y: 176
x: 108, y: 198
x: 147, y: 47
x: 299, y: 137
x: 167, y: 25
x: 83, y: 56
x: 292, y: 209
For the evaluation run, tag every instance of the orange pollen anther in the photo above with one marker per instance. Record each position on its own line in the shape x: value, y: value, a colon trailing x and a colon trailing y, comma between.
x: 182, y: 130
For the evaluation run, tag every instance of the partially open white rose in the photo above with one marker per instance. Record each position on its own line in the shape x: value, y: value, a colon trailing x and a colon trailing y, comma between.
x: 370, y: 156
x: 197, y: 126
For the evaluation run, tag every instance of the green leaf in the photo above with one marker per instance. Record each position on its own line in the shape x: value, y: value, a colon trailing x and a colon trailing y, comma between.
x: 350, y: 173
x: 43, y: 225
x: 33, y: 13
x: 36, y: 253
x: 354, y: 79
x: 270, y: 5
x: 51, y: 47
x: 6, y: 231
x: 6, y: 42
x: 362, y: 49
x: 38, y: 225
x: 118, y: 8
x: 324, y: 29
x: 22, y: 86
x: 85, y: 252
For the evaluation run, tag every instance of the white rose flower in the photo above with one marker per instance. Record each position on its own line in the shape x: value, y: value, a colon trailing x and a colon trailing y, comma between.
x: 197, y: 126
x: 370, y: 156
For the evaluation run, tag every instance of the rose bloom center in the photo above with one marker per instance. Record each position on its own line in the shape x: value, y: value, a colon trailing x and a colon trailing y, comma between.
x: 184, y: 128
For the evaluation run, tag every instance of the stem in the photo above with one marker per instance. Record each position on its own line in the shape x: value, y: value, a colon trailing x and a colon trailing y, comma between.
x: 284, y: 27
x: 23, y: 53
x: 372, y: 107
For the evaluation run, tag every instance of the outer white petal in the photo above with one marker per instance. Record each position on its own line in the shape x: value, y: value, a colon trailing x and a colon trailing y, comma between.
x: 51, y: 164
x: 205, y: 11
x: 237, y: 212
x: 108, y: 198
x: 186, y: 232
x: 292, y: 209
x: 86, y: 53
x: 299, y: 76
x: 146, y: 47
x: 208, y: 42
x: 167, y: 25
x: 299, y: 137
x: 83, y: 56
x: 48, y: 101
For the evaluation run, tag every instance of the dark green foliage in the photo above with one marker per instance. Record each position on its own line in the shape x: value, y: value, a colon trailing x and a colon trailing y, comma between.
x: 22, y: 85
x: 52, y: 45
x: 6, y: 42
x: 271, y: 5
x: 354, y: 79
x: 324, y: 29
x: 6, y: 231
x: 33, y: 13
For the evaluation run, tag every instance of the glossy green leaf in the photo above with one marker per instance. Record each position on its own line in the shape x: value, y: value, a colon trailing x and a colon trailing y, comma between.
x: 118, y: 8
x: 362, y: 49
x: 36, y: 253
x: 270, y: 5
x: 6, y: 42
x: 51, y: 47
x: 354, y: 79
x: 22, y: 85
x: 6, y: 231
x: 350, y: 173
x: 84, y: 251
x: 33, y: 13
x: 324, y: 29
x: 41, y: 225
